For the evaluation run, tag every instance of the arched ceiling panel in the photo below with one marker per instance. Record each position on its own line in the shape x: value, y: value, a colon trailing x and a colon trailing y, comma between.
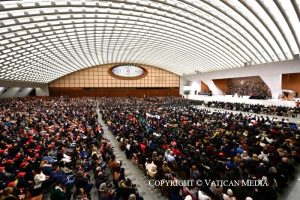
x: 41, y: 41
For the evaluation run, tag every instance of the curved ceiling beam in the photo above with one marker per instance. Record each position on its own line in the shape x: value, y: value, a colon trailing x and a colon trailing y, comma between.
x: 149, y: 26
x: 10, y: 32
x: 183, y: 41
x: 41, y: 40
x: 240, y: 13
x: 163, y: 17
x: 289, y: 22
x: 276, y: 24
x: 179, y: 28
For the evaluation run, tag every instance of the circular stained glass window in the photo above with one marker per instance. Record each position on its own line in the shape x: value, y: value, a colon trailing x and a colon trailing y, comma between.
x: 128, y: 71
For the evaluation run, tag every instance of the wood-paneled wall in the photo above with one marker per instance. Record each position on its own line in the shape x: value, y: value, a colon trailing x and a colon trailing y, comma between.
x: 222, y: 84
x: 113, y: 92
x: 291, y: 82
x: 99, y: 77
x: 204, y: 87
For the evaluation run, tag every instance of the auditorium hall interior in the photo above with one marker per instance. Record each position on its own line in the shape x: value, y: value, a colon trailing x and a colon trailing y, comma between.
x: 149, y: 99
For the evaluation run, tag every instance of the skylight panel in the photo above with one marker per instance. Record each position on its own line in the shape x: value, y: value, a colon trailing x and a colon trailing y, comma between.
x: 8, y: 22
x: 10, y: 45
x: 56, y: 43
x: 33, y: 11
x: 57, y: 27
x: 23, y: 32
x: 28, y: 4
x: 37, y: 18
x: 3, y: 42
x: 46, y: 29
x: 31, y: 40
x: 33, y: 31
x: 3, y: 56
x: 44, y: 3
x: 23, y: 20
x: 15, y: 28
x: 9, y: 58
x: 30, y: 48
x: 16, y: 48
x: 9, y: 5
x: 28, y: 26
x: 22, y: 51
x: 51, y: 17
x: 3, y: 15
x: 47, y: 44
x: 49, y: 33
x: 9, y: 35
x: 38, y: 34
x: 52, y: 37
x: 17, y: 56
x: 61, y: 2
x: 25, y: 46
x: 3, y: 30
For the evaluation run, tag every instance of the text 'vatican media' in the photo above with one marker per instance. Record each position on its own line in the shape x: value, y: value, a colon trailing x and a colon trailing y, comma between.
x: 208, y: 183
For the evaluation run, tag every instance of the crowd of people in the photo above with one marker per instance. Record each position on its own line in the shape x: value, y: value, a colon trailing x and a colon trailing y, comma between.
x: 284, y: 111
x: 54, y: 146
x: 170, y: 139
x: 252, y: 87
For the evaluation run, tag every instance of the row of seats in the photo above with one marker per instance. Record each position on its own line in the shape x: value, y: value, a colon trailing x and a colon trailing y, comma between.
x: 253, y: 108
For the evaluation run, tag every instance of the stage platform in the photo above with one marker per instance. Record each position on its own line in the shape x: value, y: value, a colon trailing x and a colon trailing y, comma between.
x: 245, y: 99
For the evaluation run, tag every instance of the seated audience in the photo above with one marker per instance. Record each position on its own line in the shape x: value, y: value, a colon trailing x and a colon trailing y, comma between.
x: 54, y: 145
x: 202, y: 144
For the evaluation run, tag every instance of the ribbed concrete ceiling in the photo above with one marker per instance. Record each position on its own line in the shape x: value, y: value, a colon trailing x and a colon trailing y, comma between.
x: 41, y: 41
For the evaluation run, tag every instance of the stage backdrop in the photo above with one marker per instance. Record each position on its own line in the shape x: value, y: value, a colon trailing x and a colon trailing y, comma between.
x: 245, y: 86
x: 98, y: 81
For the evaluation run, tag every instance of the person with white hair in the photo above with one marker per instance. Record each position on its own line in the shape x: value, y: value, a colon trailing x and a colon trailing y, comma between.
x: 132, y: 197
x: 203, y: 196
x: 188, y: 197
x: 151, y: 169
x: 229, y: 195
x: 245, y: 155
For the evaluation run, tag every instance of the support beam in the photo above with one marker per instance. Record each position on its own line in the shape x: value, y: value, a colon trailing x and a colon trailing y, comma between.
x: 11, y: 92
x: 182, y: 82
x: 24, y: 92
x: 42, y: 91
x: 2, y: 89
x: 273, y: 81
x: 212, y: 86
